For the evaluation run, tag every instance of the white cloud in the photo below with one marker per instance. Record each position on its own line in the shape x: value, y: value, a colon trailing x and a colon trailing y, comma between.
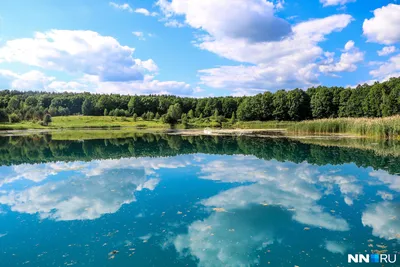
x: 211, y: 242
x: 84, y: 52
x: 31, y: 80
x: 288, y: 63
x: 390, y: 180
x: 282, y: 56
x: 274, y: 184
x: 103, y: 65
x: 388, y: 69
x: 148, y: 86
x: 145, y: 12
x: 385, y: 195
x: 387, y: 50
x: 348, y: 60
x: 384, y: 218
x: 335, y: 2
x: 93, y: 84
x: 257, y: 20
x: 174, y: 24
x: 92, y: 190
x: 335, y: 247
x: 139, y: 35
x: 291, y: 191
x: 124, y: 6
x: 383, y: 27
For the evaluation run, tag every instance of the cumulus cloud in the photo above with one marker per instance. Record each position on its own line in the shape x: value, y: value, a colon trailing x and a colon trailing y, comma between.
x: 90, y: 190
x: 31, y: 80
x: 274, y: 184
x: 335, y: 2
x: 387, y: 50
x: 384, y: 219
x: 35, y: 80
x: 392, y: 181
x: 257, y: 19
x: 145, y: 12
x: 383, y: 27
x: 239, y: 237
x: 289, y: 63
x: 101, y: 63
x: 124, y: 6
x: 290, y: 191
x: 82, y: 52
x: 77, y: 198
x: 388, y: 69
x: 148, y: 86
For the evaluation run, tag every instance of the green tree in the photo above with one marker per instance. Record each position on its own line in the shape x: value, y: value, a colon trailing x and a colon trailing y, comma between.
x: 298, y: 105
x: 87, y: 107
x: 31, y: 101
x: 135, y: 105
x: 174, y: 114
x: 184, y: 120
x: 135, y: 117
x: 191, y: 114
x: 3, y: 116
x: 13, y: 104
x: 343, y: 103
x: 233, y: 118
x: 322, y: 103
x: 373, y: 101
x: 281, y: 107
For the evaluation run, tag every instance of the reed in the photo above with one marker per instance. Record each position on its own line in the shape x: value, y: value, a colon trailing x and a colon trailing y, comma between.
x: 387, y: 128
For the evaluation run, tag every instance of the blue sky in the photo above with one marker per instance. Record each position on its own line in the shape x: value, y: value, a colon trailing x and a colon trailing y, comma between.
x: 196, y: 47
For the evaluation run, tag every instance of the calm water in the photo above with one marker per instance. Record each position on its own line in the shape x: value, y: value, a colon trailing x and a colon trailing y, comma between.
x: 194, y: 201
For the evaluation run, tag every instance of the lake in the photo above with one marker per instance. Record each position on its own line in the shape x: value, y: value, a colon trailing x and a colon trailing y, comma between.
x: 161, y: 200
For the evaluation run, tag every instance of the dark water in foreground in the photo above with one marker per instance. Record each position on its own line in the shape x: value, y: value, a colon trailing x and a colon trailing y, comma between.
x: 194, y: 201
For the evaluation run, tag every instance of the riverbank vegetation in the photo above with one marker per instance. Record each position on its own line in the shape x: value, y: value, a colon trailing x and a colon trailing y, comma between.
x: 388, y: 128
x: 28, y: 109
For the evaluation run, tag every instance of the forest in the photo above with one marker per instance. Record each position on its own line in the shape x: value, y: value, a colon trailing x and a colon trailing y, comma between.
x: 377, y: 100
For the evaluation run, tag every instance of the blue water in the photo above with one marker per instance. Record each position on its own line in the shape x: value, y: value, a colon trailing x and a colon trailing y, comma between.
x: 184, y: 205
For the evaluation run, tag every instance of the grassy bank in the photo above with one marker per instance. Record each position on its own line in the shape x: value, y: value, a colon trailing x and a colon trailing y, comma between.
x: 385, y: 128
x: 95, y: 122
x: 388, y: 128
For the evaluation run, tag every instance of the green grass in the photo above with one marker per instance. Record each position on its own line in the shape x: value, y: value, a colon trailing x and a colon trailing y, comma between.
x: 25, y: 125
x: 102, y: 122
x: 95, y: 122
x: 78, y: 134
x: 387, y: 128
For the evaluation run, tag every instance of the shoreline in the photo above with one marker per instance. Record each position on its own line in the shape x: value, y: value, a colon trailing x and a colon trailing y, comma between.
x: 266, y: 133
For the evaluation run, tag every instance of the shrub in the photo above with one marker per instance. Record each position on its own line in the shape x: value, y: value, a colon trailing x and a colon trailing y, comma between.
x: 14, y: 118
x: 3, y: 116
x: 46, y: 119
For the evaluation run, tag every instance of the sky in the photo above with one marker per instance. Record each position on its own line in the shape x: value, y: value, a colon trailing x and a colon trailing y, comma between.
x: 196, y: 48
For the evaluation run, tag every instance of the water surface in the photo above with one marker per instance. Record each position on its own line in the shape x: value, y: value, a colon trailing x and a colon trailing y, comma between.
x: 157, y: 200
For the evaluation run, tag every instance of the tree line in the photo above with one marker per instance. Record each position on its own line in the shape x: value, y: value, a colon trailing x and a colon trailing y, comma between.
x: 377, y: 100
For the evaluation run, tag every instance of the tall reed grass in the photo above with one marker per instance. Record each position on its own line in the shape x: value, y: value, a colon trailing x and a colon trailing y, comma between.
x: 388, y: 128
